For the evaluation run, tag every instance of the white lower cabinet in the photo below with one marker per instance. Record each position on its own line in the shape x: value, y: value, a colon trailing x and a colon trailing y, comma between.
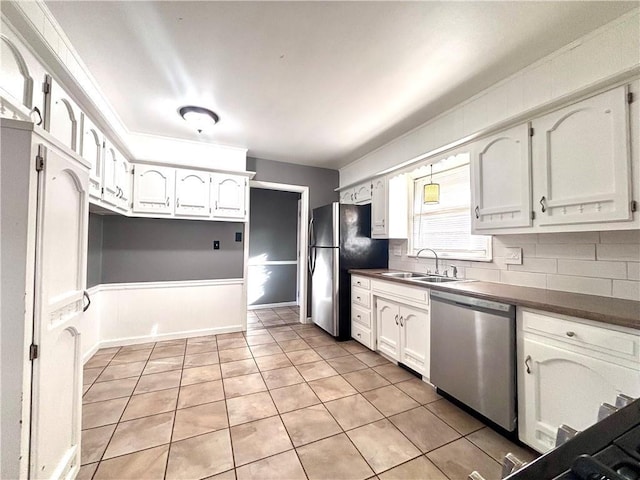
x: 566, y: 373
x: 361, y: 311
x: 403, y: 334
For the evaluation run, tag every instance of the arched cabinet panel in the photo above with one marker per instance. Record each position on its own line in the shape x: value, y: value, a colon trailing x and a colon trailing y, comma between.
x: 16, y: 83
x: 62, y: 116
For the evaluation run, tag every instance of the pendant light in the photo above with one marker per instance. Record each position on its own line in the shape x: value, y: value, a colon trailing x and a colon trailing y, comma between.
x: 431, y: 194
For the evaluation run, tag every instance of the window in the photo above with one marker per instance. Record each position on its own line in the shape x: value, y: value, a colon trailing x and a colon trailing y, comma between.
x: 446, y: 226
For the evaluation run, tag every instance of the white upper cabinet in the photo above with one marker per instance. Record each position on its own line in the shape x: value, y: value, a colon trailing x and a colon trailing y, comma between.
x: 192, y: 193
x: 379, y: 207
x: 501, y: 180
x: 109, y: 178
x: 62, y: 116
x: 16, y: 82
x: 582, y: 162
x: 153, y: 189
x: 91, y: 150
x: 123, y: 183
x: 228, y: 196
x: 389, y: 207
x: 346, y: 196
x: 362, y: 194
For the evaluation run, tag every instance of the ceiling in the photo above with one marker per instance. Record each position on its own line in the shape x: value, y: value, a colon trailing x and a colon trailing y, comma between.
x: 315, y: 83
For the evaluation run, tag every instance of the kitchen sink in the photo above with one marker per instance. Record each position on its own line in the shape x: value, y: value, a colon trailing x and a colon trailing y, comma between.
x: 433, y: 279
x: 410, y: 275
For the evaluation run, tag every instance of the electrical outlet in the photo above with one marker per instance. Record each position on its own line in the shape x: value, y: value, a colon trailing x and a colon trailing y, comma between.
x: 513, y: 256
x: 238, y: 236
x: 216, y: 244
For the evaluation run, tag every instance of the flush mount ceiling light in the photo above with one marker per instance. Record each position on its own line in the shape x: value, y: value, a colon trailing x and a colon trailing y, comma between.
x: 431, y: 193
x: 202, y: 119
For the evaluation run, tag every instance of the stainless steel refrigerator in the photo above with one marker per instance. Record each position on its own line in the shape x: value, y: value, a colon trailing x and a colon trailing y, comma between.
x: 340, y: 239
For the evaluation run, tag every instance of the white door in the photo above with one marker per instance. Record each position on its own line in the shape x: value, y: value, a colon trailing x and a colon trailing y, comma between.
x: 565, y: 387
x: 60, y: 282
x: 62, y: 116
x: 110, y: 175
x: 379, y: 207
x: 582, y: 167
x: 388, y: 323
x: 92, y: 152
x: 123, y: 184
x: 414, y: 339
x: 346, y: 196
x: 362, y: 194
x: 229, y: 196
x: 501, y: 180
x: 153, y: 189
x: 192, y: 193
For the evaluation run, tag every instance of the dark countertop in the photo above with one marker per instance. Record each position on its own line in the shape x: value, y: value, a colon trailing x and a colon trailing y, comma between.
x: 614, y: 311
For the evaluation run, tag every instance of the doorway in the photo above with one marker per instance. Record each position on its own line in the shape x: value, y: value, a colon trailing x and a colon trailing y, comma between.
x: 277, y: 249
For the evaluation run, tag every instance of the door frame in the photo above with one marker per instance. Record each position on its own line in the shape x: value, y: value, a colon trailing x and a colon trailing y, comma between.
x: 302, y: 235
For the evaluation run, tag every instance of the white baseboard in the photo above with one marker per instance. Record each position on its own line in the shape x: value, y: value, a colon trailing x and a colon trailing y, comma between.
x: 272, y: 305
x: 90, y: 353
x: 120, y: 342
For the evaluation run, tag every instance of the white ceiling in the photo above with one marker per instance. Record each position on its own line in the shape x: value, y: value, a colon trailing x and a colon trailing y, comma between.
x: 316, y: 83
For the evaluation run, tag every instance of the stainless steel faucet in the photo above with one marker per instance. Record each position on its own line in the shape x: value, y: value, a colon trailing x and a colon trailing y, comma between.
x: 434, y: 254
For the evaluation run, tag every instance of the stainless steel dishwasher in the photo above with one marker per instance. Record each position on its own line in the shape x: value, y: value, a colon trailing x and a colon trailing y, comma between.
x: 473, y: 354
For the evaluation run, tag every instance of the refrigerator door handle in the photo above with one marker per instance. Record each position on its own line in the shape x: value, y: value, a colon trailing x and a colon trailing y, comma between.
x: 312, y: 259
x: 312, y: 233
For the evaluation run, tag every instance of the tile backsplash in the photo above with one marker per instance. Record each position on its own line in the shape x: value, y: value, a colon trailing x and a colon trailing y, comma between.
x: 596, y: 263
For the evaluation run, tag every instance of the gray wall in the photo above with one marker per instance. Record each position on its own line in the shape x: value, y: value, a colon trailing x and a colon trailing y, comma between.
x: 94, y: 253
x: 274, y: 232
x: 321, y: 181
x: 150, y: 249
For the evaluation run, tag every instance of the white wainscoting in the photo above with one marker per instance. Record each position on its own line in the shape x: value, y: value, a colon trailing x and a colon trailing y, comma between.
x: 131, y: 313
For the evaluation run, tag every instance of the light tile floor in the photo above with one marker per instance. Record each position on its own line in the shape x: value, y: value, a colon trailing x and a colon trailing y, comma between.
x: 282, y: 402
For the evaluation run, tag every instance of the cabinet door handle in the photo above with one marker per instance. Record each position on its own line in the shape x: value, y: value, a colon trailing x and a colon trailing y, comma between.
x: 401, y: 324
x: 358, y: 334
x: 477, y: 210
x: 543, y: 201
x: 358, y: 283
x: 396, y: 319
x: 352, y: 196
x: 167, y: 201
x: 358, y: 316
x: 358, y: 298
x: 571, y: 334
x: 177, y: 202
x: 86, y: 295
x: 526, y: 363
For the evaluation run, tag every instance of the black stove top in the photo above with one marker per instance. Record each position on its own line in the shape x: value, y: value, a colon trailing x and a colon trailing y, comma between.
x: 608, y: 450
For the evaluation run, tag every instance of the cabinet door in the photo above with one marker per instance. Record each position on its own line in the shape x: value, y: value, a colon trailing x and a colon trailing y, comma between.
x: 192, y: 193
x: 61, y: 247
x: 565, y: 387
x: 362, y: 194
x: 153, y: 189
x: 229, y: 193
x: 110, y: 175
x: 388, y: 323
x: 346, y: 196
x: 123, y: 184
x: 379, y: 207
x: 414, y: 339
x: 91, y: 150
x: 501, y: 182
x: 62, y: 116
x: 582, y: 164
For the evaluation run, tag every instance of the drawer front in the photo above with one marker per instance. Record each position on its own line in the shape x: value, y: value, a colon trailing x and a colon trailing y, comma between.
x: 612, y: 342
x: 361, y: 297
x: 362, y: 335
x: 417, y: 294
x: 361, y: 316
x: 361, y: 282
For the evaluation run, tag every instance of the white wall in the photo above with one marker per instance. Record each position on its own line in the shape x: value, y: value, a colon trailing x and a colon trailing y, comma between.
x: 605, y: 52
x: 155, y: 311
x: 597, y: 263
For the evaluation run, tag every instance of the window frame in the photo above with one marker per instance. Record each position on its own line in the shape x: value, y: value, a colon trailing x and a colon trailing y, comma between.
x: 417, y: 174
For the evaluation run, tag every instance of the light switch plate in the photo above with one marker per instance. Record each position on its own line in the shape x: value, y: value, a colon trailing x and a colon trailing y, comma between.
x: 514, y: 256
